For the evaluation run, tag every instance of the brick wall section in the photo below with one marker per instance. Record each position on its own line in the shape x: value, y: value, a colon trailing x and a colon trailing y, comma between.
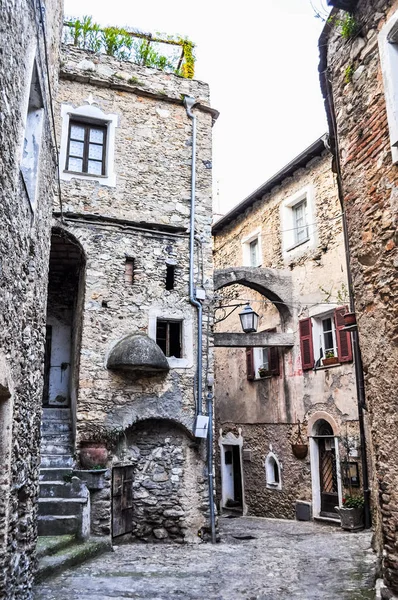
x: 24, y: 247
x: 370, y: 191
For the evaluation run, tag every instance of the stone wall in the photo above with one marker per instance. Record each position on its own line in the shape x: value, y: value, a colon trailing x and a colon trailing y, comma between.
x: 144, y: 217
x: 24, y: 247
x: 267, y: 409
x: 369, y: 180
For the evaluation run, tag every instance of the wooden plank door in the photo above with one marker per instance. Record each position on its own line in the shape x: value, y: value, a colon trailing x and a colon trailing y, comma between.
x: 122, y: 500
x: 328, y: 475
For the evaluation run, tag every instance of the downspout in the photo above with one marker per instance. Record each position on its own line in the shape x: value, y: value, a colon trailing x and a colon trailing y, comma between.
x: 189, y: 103
x: 327, y: 93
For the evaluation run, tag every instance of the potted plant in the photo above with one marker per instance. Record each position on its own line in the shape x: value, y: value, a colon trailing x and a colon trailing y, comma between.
x: 95, y: 445
x: 350, y: 319
x: 299, y: 447
x: 263, y: 371
x: 330, y: 358
x: 351, y: 512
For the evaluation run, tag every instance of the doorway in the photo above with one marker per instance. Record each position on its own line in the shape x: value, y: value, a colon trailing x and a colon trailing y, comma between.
x: 232, y: 485
x: 122, y: 500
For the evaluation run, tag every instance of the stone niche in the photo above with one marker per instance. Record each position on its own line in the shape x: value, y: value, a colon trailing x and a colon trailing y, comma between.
x: 168, y: 483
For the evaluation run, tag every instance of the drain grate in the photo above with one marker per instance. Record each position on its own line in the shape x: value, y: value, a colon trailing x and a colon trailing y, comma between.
x: 244, y: 537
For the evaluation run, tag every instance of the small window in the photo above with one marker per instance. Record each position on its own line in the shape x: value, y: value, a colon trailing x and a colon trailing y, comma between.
x: 170, y: 277
x: 328, y: 340
x: 86, y: 148
x: 253, y: 246
x: 168, y: 337
x: 129, y: 271
x: 273, y: 472
x: 300, y: 222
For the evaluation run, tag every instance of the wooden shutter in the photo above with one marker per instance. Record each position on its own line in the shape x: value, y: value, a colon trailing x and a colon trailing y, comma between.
x: 250, y: 363
x: 273, y: 361
x: 344, y: 346
x: 306, y: 345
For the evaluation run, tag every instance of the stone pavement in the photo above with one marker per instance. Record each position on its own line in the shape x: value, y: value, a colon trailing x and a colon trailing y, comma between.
x: 284, y: 560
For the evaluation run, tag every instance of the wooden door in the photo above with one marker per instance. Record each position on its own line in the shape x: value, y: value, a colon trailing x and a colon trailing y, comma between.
x: 328, y: 475
x: 122, y: 500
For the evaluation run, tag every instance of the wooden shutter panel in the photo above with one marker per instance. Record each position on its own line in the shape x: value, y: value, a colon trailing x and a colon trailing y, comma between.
x: 250, y: 363
x: 273, y: 361
x: 344, y: 346
x: 306, y: 345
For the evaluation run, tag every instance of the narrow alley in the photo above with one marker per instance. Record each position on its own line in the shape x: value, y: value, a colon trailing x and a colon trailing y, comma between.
x: 257, y: 559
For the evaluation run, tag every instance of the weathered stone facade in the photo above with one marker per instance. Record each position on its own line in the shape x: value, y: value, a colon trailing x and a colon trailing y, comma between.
x: 25, y: 217
x: 357, y: 114
x: 141, y: 217
x: 308, y: 281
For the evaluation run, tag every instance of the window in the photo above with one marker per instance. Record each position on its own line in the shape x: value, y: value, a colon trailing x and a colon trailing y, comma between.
x: 32, y: 138
x: 170, y: 277
x: 323, y: 336
x: 273, y: 472
x: 262, y: 362
x: 251, y: 249
x: 86, y: 148
x: 129, y: 271
x: 88, y: 144
x: 297, y: 223
x: 388, y: 47
x: 300, y: 222
x: 168, y: 337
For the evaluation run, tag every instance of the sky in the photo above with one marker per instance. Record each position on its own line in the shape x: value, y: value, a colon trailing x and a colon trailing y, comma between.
x: 260, y: 58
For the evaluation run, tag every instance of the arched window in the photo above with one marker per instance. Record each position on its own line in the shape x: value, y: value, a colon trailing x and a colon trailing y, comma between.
x: 273, y: 472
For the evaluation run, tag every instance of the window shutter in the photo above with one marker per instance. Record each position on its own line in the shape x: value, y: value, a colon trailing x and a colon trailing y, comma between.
x: 273, y: 360
x: 344, y: 346
x: 306, y: 345
x: 249, y: 363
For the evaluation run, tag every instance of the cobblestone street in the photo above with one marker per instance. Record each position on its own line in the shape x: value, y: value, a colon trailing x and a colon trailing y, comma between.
x: 277, y: 560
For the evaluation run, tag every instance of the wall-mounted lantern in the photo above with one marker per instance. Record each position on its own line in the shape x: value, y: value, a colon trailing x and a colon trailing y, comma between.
x: 249, y: 319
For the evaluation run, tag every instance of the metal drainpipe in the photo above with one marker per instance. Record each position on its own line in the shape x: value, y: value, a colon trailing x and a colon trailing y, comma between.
x: 189, y: 103
x: 360, y: 384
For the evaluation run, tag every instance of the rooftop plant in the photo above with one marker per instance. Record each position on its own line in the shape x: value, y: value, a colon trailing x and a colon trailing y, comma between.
x: 173, y: 54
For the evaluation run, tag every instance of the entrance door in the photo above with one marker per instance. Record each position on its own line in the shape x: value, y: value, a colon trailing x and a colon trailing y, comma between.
x: 328, y: 475
x: 122, y: 500
x: 232, y: 477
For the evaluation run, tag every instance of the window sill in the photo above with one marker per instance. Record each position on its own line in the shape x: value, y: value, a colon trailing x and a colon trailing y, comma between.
x: 297, y: 245
x: 89, y: 175
x: 178, y: 363
x: 273, y: 486
x: 323, y: 367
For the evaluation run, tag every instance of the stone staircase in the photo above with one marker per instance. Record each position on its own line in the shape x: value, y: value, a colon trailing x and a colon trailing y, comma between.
x: 64, y: 501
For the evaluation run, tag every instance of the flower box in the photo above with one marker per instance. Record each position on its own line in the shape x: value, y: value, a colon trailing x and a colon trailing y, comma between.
x: 352, y: 519
x: 332, y: 360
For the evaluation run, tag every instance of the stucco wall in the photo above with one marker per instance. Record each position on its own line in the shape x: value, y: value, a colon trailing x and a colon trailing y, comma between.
x: 24, y: 247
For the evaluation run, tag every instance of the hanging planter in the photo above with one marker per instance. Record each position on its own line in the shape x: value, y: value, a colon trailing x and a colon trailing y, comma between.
x: 299, y: 447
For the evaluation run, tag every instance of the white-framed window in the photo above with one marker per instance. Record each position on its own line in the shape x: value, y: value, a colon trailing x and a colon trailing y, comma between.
x: 251, y: 249
x: 88, y: 144
x: 262, y: 362
x: 32, y: 138
x: 273, y: 476
x: 297, y: 223
x: 388, y: 48
x: 173, y: 332
x: 324, y: 336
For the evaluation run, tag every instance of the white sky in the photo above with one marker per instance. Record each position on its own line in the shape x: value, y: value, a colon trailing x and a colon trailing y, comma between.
x: 260, y: 58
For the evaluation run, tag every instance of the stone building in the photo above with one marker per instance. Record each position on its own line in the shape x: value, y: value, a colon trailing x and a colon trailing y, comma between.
x: 286, y: 410
x: 123, y: 340
x: 359, y: 83
x: 29, y: 47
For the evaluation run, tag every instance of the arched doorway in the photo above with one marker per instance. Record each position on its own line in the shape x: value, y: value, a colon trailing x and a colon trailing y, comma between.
x: 325, y: 467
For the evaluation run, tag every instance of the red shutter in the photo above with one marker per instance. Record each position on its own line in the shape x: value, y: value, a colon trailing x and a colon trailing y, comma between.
x: 306, y: 345
x: 344, y: 346
x: 273, y: 361
x: 250, y: 363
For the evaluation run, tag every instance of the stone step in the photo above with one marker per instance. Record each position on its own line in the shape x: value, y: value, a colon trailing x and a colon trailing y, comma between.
x: 60, y: 414
x: 60, y: 461
x: 53, y: 447
x: 64, y: 437
x: 48, y: 545
x: 58, y: 489
x: 50, y: 525
x: 54, y: 426
x: 74, y: 554
x: 61, y: 506
x: 55, y: 474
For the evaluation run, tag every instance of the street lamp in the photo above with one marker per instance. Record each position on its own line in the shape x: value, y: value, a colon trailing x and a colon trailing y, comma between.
x: 249, y: 319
